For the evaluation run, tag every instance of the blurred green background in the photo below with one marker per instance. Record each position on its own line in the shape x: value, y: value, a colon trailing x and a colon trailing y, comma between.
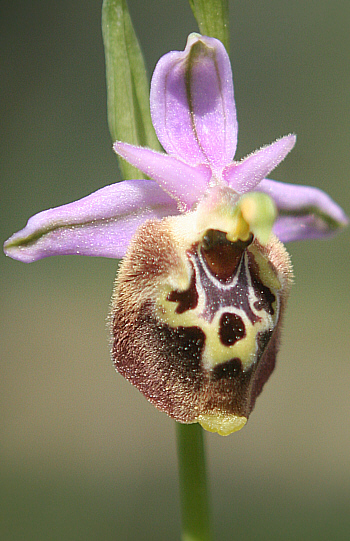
x: 83, y: 456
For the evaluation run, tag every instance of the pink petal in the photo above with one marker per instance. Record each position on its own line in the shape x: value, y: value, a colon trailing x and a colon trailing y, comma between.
x: 186, y: 183
x: 244, y: 176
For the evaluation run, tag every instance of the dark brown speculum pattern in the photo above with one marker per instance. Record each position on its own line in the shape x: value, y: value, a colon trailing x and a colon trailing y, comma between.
x: 231, y: 328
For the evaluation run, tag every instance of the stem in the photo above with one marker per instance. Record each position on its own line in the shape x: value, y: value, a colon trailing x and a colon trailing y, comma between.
x: 193, y: 483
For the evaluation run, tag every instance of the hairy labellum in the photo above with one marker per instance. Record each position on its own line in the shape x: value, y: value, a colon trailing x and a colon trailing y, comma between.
x: 196, y: 318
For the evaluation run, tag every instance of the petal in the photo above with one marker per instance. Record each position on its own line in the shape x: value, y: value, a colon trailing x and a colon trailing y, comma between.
x: 100, y: 224
x: 185, y: 182
x: 192, y: 103
x: 245, y: 175
x: 303, y: 212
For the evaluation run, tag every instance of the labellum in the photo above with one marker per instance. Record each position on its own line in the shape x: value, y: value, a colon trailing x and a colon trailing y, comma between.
x: 197, y: 309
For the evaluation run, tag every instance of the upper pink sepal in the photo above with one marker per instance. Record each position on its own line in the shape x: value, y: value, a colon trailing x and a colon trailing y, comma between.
x: 192, y: 103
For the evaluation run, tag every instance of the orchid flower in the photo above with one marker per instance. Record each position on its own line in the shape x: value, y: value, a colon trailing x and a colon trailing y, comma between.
x: 200, y: 294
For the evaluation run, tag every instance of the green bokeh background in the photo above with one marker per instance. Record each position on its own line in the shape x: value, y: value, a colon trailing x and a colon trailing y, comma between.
x: 83, y: 456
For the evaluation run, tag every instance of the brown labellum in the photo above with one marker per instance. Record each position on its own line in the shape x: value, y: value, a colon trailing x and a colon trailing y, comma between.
x: 196, y: 320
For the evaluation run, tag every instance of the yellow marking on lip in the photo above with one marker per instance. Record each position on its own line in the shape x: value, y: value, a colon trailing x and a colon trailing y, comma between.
x: 266, y: 274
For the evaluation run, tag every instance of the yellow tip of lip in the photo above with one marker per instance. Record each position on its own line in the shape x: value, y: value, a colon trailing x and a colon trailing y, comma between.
x: 221, y: 423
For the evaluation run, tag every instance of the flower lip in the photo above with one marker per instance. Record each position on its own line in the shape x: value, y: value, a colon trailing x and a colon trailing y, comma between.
x: 189, y: 337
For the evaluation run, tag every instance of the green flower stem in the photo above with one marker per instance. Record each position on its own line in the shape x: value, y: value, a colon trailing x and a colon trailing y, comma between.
x: 193, y: 483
